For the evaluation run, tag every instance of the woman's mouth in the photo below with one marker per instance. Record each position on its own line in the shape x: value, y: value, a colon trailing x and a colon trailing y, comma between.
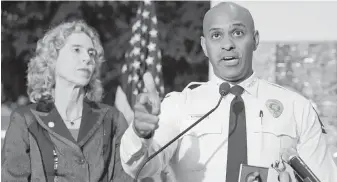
x: 84, y: 71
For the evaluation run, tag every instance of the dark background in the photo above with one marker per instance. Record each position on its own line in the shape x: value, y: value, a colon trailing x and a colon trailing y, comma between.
x: 179, y: 24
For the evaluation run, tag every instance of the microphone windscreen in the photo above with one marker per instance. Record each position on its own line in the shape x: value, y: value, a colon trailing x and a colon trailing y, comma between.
x: 224, y: 88
x: 288, y: 154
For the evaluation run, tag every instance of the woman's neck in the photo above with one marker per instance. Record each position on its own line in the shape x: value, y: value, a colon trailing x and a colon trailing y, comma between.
x: 68, y: 99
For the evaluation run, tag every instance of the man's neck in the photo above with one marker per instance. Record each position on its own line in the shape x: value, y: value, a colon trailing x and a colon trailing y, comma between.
x: 233, y: 82
x: 236, y: 82
x: 68, y: 99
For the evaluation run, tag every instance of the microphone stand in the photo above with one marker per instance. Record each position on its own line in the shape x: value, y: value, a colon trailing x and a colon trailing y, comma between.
x: 178, y: 136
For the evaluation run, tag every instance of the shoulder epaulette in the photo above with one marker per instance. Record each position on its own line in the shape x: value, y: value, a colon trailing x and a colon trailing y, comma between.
x: 170, y: 94
x: 279, y: 86
x: 194, y: 85
x: 320, y: 121
x: 273, y: 84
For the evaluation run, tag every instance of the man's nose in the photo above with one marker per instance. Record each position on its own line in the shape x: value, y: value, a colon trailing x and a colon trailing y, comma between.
x: 227, y: 44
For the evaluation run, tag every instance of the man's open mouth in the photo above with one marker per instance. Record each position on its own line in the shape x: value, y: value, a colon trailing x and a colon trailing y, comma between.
x: 230, y: 60
x: 227, y: 58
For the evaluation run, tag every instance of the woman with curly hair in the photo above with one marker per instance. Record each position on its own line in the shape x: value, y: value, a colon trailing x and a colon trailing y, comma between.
x: 66, y: 134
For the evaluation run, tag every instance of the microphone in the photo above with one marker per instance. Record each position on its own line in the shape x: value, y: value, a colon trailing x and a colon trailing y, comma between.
x: 223, y: 90
x: 301, y: 169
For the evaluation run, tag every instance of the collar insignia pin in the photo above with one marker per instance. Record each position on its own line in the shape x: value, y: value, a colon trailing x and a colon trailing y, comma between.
x: 51, y: 124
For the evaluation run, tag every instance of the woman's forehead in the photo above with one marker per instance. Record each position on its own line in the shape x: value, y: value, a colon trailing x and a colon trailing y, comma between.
x: 79, y: 38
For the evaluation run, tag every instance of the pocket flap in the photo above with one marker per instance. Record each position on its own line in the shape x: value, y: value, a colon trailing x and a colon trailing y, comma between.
x: 206, y: 126
x: 281, y: 129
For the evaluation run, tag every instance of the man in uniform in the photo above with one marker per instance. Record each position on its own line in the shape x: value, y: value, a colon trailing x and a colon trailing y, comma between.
x: 254, y: 123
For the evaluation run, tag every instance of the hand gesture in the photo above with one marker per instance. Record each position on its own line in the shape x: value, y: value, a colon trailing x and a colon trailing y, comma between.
x: 147, y: 109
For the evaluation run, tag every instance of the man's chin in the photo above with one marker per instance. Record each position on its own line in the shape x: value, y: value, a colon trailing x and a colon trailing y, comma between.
x: 233, y: 78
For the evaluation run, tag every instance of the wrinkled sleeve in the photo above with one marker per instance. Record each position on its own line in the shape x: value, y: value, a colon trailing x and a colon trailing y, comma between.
x: 312, y: 147
x: 134, y: 150
x: 15, y: 151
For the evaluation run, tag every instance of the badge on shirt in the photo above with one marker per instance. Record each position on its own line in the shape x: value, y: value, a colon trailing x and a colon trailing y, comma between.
x: 275, y: 107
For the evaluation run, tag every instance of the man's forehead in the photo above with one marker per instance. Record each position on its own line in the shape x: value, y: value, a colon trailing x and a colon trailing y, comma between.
x: 227, y: 13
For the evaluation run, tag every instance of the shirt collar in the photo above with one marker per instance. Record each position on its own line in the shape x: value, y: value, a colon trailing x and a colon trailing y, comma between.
x: 250, y: 84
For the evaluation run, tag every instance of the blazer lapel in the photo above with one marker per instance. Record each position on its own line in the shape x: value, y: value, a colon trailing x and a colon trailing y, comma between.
x: 92, y: 117
x: 50, y: 119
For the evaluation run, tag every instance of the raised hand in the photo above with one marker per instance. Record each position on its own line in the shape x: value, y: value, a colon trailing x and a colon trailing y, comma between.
x: 147, y: 109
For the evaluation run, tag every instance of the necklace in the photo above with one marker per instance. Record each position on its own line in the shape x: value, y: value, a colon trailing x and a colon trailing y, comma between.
x: 72, y: 121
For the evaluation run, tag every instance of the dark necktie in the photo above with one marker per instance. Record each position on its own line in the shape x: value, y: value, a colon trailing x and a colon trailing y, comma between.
x: 237, y: 136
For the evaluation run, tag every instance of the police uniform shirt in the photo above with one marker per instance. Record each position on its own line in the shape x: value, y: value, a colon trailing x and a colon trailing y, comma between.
x: 277, y: 119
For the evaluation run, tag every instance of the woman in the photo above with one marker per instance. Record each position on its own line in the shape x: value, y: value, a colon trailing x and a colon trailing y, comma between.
x: 66, y: 134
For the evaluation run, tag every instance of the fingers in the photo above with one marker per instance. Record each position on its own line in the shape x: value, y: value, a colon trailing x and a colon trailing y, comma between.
x: 147, y: 107
x: 151, y: 103
x: 149, y: 83
x: 145, y: 117
x: 255, y: 177
x: 284, y: 177
x: 151, y: 89
x: 145, y: 123
x: 155, y: 105
x: 143, y: 99
x: 146, y: 127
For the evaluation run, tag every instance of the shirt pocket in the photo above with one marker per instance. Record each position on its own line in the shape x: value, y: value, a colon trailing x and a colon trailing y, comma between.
x: 276, y: 137
x: 199, y: 145
x: 205, y: 127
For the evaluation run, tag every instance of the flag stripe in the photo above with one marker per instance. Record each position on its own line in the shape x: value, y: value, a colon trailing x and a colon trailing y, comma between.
x: 143, y: 54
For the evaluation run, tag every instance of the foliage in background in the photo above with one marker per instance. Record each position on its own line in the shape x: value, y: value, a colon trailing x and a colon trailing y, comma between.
x: 311, y: 70
x: 308, y: 68
x: 180, y: 26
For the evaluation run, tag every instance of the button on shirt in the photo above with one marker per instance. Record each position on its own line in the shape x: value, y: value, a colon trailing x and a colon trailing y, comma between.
x: 200, y: 155
x: 80, y: 161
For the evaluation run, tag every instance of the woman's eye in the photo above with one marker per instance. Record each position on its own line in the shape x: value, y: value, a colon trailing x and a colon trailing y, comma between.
x: 92, y: 53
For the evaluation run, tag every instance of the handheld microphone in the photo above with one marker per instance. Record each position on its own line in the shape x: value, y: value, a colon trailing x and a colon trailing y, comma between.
x: 301, y: 169
x: 223, y: 90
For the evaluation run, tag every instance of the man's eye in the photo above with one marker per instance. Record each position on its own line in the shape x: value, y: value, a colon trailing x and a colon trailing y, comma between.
x: 77, y: 50
x: 216, y: 35
x: 238, y: 33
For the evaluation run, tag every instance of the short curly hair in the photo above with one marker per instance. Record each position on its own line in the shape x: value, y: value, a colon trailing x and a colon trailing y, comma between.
x: 41, y: 68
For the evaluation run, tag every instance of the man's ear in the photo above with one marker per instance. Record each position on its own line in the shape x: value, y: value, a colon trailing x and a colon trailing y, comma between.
x: 256, y: 39
x: 203, y: 45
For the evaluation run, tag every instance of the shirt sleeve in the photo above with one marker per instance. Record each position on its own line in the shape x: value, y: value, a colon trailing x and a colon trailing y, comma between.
x: 16, y: 165
x: 134, y: 150
x: 312, y: 146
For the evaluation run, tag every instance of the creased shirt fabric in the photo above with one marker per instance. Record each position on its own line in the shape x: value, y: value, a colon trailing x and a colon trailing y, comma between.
x: 277, y: 119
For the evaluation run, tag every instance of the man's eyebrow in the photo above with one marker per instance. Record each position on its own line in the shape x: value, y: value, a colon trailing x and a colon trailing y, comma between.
x: 214, y: 29
x: 76, y: 45
x: 238, y: 25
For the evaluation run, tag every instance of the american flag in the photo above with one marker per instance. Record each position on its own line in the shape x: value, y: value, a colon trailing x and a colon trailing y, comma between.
x: 143, y: 55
